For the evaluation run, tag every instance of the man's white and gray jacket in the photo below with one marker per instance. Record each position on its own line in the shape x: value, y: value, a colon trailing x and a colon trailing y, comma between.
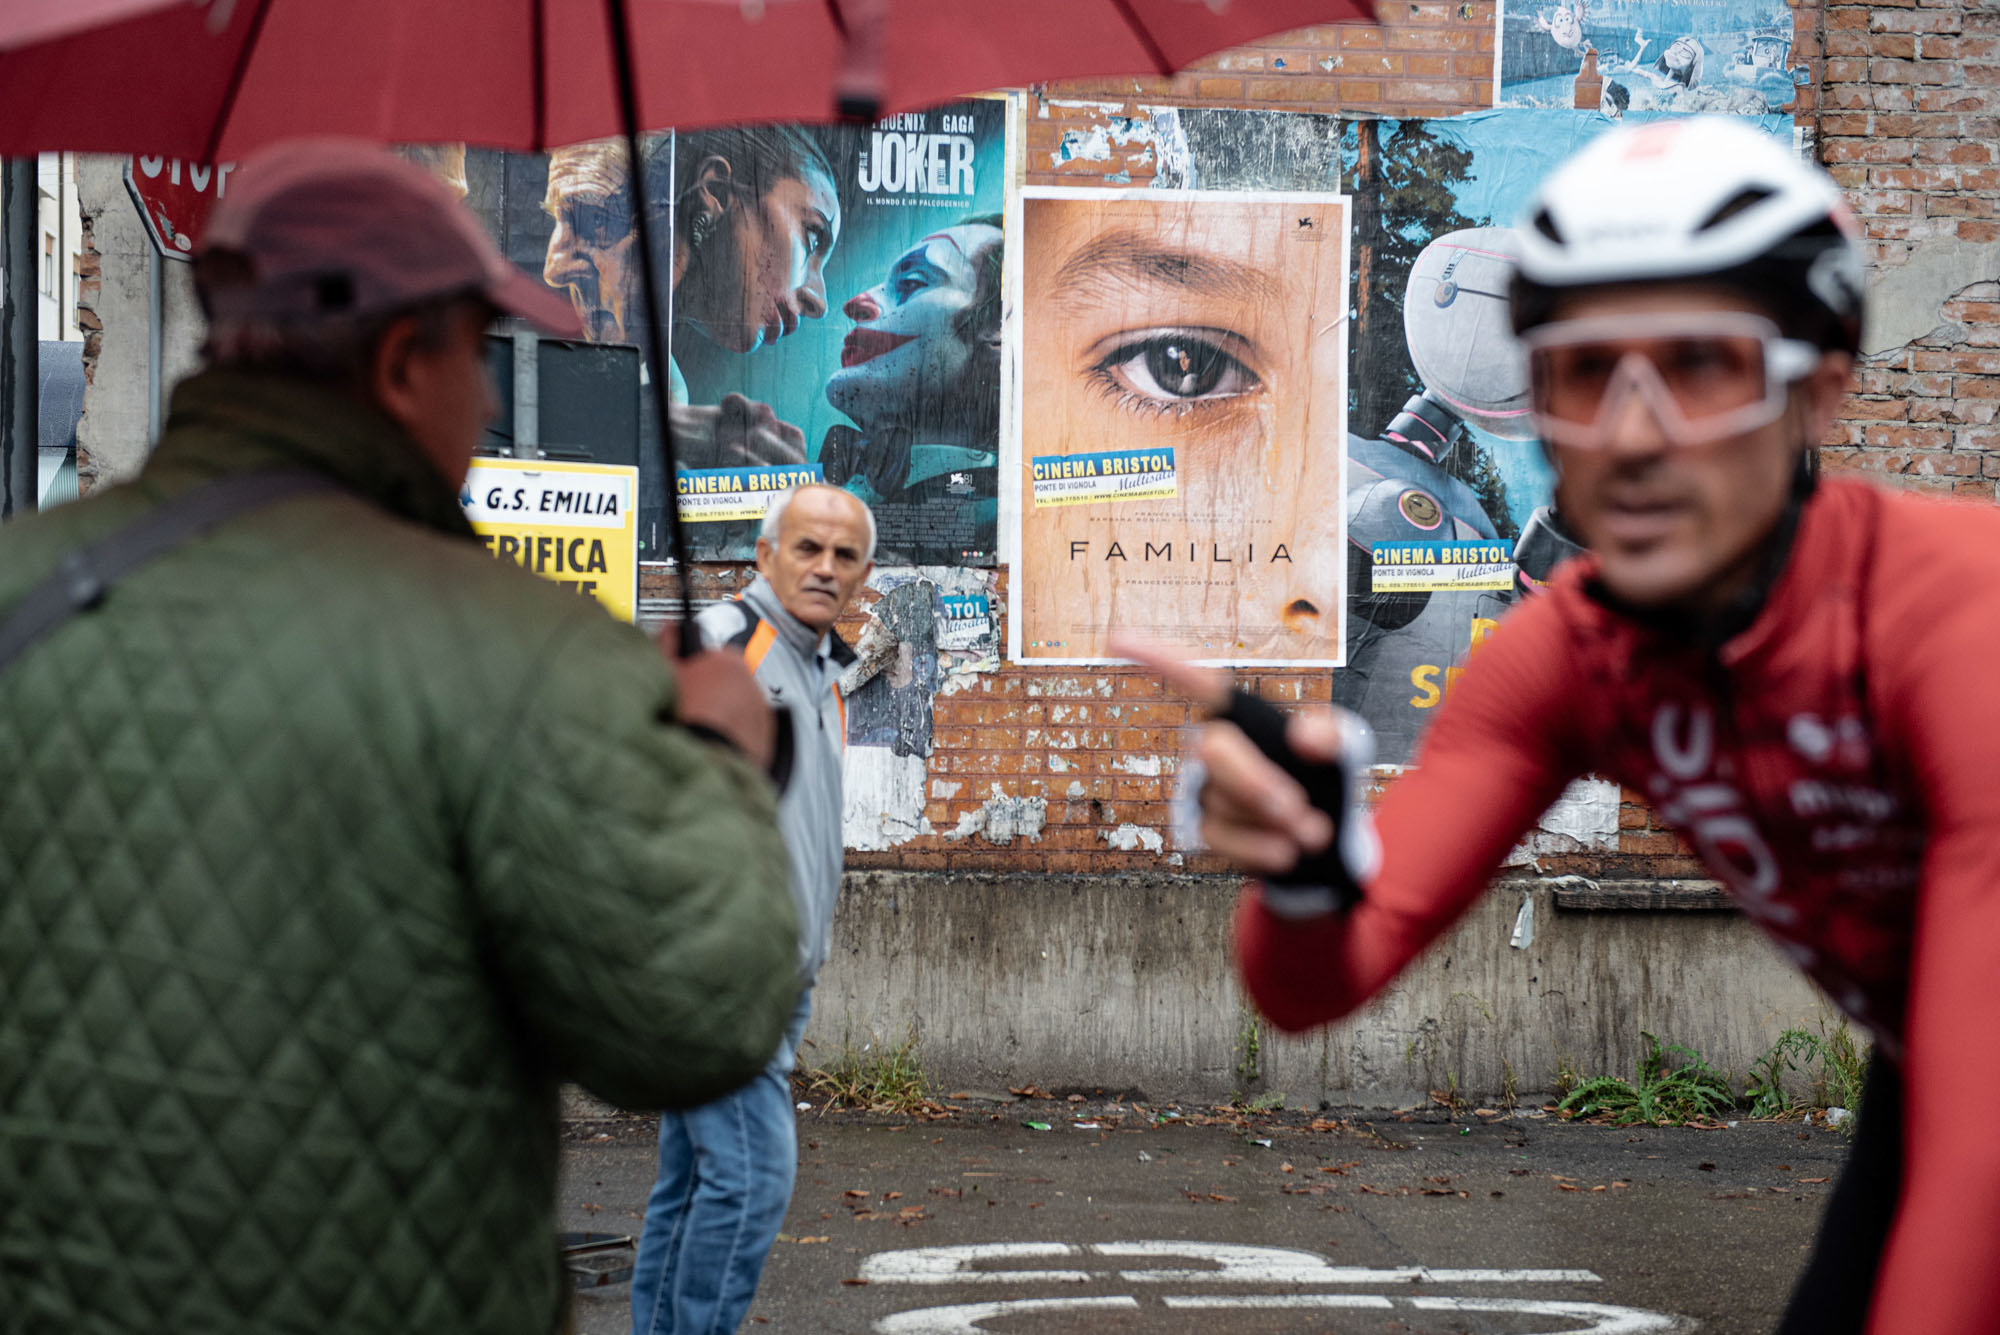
x: 799, y: 670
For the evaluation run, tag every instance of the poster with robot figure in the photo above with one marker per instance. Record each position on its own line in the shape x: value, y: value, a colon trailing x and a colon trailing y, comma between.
x: 834, y: 313
x: 870, y: 348
x: 1729, y: 57
x: 1449, y: 500
x: 1182, y: 372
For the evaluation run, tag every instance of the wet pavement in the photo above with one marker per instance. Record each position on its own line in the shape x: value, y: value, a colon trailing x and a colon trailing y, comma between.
x: 1128, y: 1218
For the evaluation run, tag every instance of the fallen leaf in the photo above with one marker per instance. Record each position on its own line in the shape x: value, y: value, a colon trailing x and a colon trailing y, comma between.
x: 1564, y: 1186
x: 1372, y: 1191
x: 912, y: 1211
x: 1600, y: 1187
x: 1076, y: 1098
x: 1217, y: 1196
x: 962, y: 1094
x: 854, y: 1283
x: 855, y: 1193
x: 1284, y: 1168
x: 592, y: 1208
x: 1485, y: 1112
x: 892, y: 1195
x: 1815, y: 1179
x: 1705, y: 1166
x: 807, y: 1242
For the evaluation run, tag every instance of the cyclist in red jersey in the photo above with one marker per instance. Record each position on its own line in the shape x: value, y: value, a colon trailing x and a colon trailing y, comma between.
x: 1787, y: 670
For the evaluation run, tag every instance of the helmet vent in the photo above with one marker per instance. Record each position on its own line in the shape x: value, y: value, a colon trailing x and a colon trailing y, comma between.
x: 1740, y: 202
x: 1546, y: 225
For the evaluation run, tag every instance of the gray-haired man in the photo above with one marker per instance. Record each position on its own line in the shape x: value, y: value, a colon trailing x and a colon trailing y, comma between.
x: 726, y: 1168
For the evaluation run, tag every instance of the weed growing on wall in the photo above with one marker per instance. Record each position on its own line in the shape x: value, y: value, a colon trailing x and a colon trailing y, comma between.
x: 878, y: 1077
x: 1835, y: 1062
x: 1661, y: 1095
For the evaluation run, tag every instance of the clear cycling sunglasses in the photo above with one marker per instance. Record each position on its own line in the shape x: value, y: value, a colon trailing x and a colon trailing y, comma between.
x: 1703, y: 376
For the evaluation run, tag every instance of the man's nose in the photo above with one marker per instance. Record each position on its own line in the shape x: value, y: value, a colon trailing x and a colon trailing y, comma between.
x: 861, y: 308
x: 565, y: 263
x: 1635, y: 423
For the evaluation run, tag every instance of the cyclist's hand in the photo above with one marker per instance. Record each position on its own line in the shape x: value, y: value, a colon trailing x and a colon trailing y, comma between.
x: 1252, y: 812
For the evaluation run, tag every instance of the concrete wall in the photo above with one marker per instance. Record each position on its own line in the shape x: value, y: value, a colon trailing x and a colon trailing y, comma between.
x: 112, y: 439
x: 1124, y: 983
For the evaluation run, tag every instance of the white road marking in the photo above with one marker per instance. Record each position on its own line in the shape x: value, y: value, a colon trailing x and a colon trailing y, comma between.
x: 1610, y: 1320
x: 1207, y: 1300
x: 965, y: 1319
x: 953, y: 1265
x: 1233, y: 1265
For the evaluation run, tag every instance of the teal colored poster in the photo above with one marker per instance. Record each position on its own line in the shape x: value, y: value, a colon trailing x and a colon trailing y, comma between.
x: 1724, y: 57
x: 835, y: 309
x: 883, y: 367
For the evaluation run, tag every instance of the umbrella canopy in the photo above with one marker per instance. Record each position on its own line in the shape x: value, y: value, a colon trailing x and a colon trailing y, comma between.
x: 208, y: 80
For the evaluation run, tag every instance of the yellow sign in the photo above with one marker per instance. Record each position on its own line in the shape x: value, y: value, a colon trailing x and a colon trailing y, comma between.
x: 575, y: 524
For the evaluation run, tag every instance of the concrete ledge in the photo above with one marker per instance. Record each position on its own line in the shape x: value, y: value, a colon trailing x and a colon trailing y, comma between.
x: 1124, y: 983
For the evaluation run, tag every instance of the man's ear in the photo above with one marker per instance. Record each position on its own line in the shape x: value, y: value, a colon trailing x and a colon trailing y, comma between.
x: 764, y: 553
x: 1823, y: 392
x: 391, y: 382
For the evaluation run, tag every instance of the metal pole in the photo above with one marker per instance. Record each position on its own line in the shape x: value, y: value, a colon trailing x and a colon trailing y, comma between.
x: 527, y: 395
x: 156, y: 274
x: 20, y: 351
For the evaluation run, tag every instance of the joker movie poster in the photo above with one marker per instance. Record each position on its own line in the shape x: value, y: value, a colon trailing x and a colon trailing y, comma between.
x: 1182, y: 372
x: 835, y: 313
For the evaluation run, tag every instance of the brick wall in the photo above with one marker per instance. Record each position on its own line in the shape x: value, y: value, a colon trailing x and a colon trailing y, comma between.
x: 1903, y: 100
x: 1909, y: 119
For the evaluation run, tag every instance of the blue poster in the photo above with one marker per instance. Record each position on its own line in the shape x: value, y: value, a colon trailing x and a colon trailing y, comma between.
x: 1729, y: 57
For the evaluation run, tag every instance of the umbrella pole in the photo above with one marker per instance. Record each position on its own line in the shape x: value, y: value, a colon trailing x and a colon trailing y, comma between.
x: 655, y: 308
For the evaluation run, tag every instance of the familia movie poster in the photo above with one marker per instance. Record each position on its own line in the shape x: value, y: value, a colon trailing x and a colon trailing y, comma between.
x: 1182, y: 392
x: 835, y: 310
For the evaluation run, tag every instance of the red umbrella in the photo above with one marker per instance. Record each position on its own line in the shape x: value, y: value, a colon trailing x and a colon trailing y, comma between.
x: 208, y: 80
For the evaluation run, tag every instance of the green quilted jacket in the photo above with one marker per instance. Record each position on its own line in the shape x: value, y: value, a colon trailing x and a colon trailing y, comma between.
x: 329, y: 847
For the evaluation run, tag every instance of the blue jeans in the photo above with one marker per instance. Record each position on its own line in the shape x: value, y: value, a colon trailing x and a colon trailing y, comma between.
x: 726, y: 1171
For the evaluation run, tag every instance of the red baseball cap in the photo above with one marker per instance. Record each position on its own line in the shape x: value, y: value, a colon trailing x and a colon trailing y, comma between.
x: 336, y: 226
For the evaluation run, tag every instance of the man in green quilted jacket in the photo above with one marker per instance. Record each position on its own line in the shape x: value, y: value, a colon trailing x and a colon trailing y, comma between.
x: 330, y: 846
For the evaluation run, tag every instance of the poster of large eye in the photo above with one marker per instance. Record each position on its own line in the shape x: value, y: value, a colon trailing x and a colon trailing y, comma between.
x: 1730, y: 57
x: 1182, y: 411
x: 835, y: 312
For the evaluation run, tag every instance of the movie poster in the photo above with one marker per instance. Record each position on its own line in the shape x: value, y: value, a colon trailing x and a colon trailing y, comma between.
x: 1449, y: 494
x: 835, y: 313
x: 1183, y: 366
x: 1731, y: 57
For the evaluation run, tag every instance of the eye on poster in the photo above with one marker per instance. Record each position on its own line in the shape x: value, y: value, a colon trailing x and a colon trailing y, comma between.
x: 1183, y: 388
x: 835, y: 306
x: 1727, y: 57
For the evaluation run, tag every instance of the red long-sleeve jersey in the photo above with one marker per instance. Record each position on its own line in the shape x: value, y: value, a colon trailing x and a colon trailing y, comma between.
x: 1837, y: 766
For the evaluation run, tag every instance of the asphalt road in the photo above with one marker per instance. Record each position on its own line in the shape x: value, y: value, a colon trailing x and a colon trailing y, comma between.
x: 1504, y: 1225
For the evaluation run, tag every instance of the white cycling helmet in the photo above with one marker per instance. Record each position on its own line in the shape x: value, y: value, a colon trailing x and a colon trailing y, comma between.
x: 1696, y: 198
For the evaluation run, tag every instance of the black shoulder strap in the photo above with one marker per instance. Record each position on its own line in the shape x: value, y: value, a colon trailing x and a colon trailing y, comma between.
x: 741, y: 638
x: 83, y: 576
